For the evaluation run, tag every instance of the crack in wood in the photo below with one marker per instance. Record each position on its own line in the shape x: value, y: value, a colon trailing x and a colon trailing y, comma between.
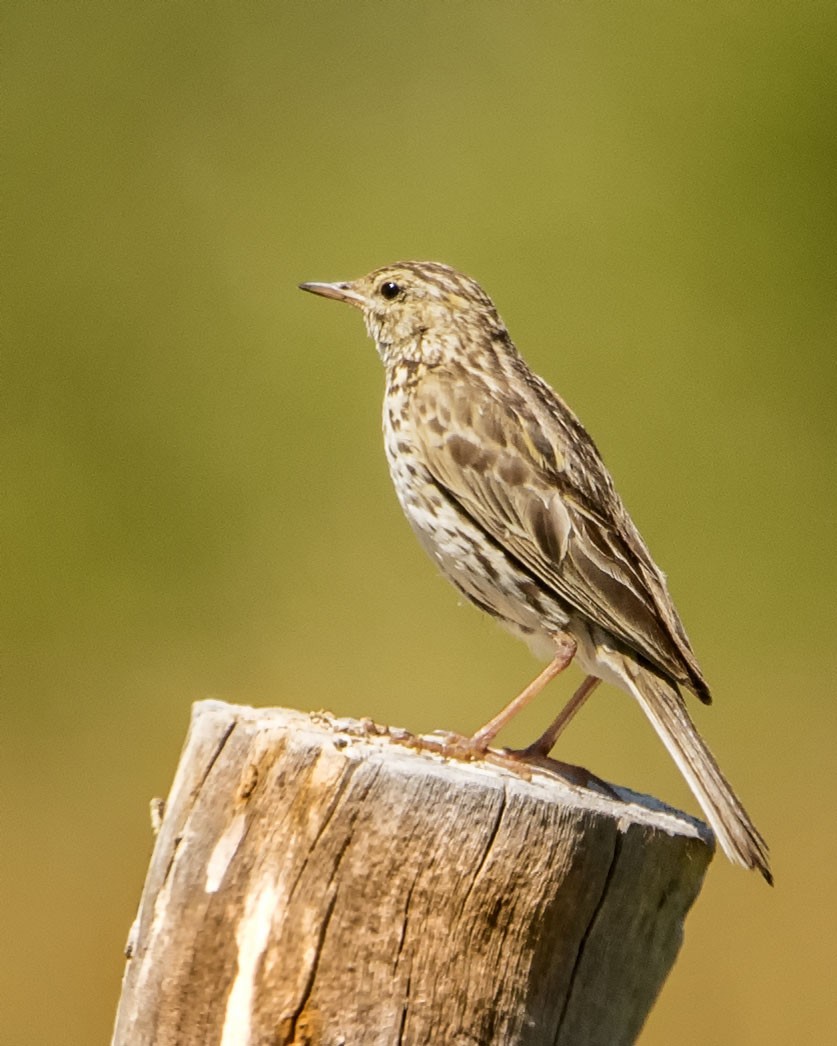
x: 402, y: 938
x: 404, y: 1010
x: 308, y: 987
x: 492, y: 835
x: 574, y: 973
x: 342, y: 787
x: 213, y: 759
x: 193, y: 799
x: 347, y: 774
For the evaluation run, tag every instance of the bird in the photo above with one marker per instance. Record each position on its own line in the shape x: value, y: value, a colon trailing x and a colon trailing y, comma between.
x: 509, y: 495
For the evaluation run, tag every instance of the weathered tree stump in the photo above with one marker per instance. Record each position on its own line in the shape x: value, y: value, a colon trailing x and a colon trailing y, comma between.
x: 315, y: 882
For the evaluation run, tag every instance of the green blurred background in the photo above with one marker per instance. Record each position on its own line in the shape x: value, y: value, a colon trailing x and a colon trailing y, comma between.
x: 196, y: 499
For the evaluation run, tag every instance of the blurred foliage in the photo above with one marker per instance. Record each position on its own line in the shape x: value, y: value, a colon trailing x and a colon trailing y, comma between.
x: 195, y: 497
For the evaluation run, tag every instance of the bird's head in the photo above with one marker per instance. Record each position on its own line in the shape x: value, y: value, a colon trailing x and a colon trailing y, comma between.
x: 418, y: 312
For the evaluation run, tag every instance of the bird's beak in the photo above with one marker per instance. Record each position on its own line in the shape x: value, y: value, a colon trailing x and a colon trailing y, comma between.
x: 339, y: 291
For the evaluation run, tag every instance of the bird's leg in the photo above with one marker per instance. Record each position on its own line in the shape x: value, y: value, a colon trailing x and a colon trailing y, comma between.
x: 546, y: 742
x: 565, y: 652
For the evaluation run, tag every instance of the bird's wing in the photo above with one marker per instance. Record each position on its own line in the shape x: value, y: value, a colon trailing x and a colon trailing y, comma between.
x: 551, y: 505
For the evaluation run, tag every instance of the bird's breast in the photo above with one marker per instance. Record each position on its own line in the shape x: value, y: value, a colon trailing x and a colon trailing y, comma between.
x: 477, y: 566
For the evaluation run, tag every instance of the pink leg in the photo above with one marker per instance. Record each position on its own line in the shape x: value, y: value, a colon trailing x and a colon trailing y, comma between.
x: 546, y: 742
x: 566, y: 647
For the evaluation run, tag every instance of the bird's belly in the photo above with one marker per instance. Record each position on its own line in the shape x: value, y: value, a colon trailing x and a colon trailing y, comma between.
x: 477, y: 566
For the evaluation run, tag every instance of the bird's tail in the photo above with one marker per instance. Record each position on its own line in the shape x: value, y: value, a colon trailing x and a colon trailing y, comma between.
x: 663, y: 704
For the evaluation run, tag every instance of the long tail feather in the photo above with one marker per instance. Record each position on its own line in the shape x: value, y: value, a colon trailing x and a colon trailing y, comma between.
x: 662, y: 703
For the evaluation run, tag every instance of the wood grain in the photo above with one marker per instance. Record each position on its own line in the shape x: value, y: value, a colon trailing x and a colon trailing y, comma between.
x: 316, y: 882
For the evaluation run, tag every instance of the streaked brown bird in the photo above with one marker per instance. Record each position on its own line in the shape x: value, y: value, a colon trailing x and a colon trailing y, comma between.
x: 509, y: 496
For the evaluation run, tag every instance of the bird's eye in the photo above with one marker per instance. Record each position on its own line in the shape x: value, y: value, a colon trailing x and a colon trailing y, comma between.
x: 390, y: 290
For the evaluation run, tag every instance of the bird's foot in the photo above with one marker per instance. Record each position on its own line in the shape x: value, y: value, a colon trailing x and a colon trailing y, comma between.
x: 534, y: 756
x: 535, y: 752
x: 450, y: 745
x: 455, y: 746
x: 520, y: 762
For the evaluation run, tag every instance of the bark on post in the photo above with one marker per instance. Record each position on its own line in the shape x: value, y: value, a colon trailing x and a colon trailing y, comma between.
x: 316, y: 883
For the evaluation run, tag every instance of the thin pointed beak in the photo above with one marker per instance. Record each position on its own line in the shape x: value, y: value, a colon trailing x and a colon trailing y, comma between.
x: 338, y: 291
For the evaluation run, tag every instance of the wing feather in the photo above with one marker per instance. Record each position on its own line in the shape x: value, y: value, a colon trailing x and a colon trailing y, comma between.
x: 555, y: 511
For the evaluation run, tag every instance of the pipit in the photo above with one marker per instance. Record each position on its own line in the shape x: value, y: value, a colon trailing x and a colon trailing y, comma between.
x: 509, y: 496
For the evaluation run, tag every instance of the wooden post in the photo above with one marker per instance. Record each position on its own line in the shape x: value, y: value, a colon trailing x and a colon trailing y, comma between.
x: 316, y: 883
